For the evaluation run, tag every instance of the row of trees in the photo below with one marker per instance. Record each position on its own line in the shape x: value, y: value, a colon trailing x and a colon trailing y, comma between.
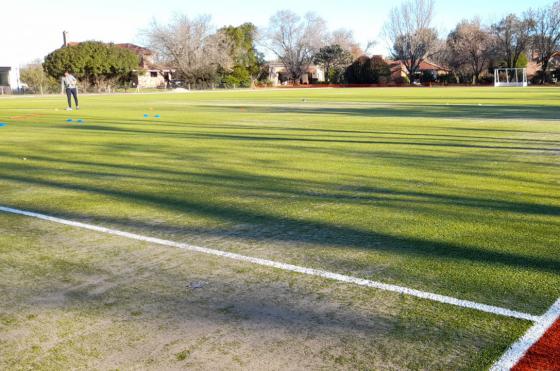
x: 202, y: 55
x: 469, y: 50
x: 473, y: 48
x: 229, y: 56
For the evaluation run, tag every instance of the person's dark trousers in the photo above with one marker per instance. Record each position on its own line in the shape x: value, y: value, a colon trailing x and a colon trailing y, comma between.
x: 72, y: 92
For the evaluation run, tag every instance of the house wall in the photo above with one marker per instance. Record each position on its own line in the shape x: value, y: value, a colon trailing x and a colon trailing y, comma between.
x: 9, y: 79
x: 314, y: 72
x: 532, y: 69
x: 4, y: 76
x: 146, y: 81
x: 319, y: 74
x: 399, y: 71
x: 274, y: 74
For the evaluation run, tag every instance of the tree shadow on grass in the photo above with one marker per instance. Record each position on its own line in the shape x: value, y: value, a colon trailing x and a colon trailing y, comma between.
x: 295, y: 138
x: 278, y: 187
x: 302, y: 132
x: 287, y: 229
x: 429, y: 111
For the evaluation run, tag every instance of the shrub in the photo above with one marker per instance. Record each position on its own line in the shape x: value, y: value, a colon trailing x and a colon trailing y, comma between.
x: 427, y: 77
x: 367, y: 70
x: 239, y: 77
x: 93, y: 62
x: 402, y: 80
x: 522, y: 61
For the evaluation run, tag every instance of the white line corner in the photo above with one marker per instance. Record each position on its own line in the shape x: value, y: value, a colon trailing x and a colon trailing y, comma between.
x: 518, y: 350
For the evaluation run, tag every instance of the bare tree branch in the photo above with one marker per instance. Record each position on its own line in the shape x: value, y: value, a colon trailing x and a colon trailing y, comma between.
x: 191, y: 46
x: 295, y: 40
x: 512, y: 36
x: 546, y: 38
x: 470, y: 44
x: 410, y: 34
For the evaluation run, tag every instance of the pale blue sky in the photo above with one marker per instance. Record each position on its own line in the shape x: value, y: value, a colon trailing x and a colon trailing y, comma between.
x: 33, y: 28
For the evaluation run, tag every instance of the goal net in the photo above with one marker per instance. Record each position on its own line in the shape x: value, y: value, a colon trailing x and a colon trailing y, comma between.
x: 510, y: 77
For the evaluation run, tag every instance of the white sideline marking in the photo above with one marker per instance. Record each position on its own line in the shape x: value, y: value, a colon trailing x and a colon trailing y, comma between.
x: 288, y: 267
x: 518, y: 350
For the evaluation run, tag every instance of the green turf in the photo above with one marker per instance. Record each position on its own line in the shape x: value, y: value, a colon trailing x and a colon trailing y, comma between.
x: 454, y: 191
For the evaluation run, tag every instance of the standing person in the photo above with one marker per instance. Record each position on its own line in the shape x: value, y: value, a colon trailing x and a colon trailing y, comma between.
x: 71, y: 90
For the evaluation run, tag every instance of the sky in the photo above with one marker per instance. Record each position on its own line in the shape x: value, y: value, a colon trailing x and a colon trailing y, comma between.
x: 33, y: 28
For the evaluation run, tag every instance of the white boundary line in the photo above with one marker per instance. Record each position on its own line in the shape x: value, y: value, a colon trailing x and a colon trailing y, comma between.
x: 288, y: 267
x: 518, y: 350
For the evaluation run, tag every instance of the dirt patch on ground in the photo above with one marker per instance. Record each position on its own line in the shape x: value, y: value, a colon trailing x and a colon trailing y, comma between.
x: 83, y: 300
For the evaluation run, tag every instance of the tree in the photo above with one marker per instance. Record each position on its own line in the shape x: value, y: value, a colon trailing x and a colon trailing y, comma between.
x: 456, y: 63
x: 471, y: 45
x: 37, y: 79
x: 355, y: 72
x: 546, y: 35
x: 366, y: 70
x: 332, y: 57
x: 512, y: 36
x: 93, y: 62
x: 238, y: 77
x: 295, y: 40
x: 378, y: 69
x: 345, y: 38
x: 522, y: 61
x: 409, y: 33
x: 247, y: 60
x: 192, y: 47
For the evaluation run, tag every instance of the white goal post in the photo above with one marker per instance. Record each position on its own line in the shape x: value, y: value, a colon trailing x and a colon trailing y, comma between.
x: 510, y: 77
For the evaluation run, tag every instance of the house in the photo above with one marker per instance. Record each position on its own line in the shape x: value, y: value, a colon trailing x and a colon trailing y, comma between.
x: 278, y: 75
x: 534, y: 67
x: 399, y: 70
x: 9, y: 80
x: 149, y: 74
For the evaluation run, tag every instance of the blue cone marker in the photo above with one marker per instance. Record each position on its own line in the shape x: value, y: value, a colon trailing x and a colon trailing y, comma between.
x: 146, y: 115
x: 69, y: 120
x: 2, y: 124
x: 80, y: 121
x: 157, y: 116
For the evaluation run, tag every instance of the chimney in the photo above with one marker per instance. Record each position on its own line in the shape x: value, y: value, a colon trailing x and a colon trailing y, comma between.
x: 65, y: 38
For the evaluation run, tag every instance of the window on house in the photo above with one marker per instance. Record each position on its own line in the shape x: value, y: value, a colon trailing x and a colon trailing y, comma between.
x: 153, y: 74
x: 4, y: 81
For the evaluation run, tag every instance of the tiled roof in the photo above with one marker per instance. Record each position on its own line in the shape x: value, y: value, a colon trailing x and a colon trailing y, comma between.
x: 424, y: 66
x: 140, y: 50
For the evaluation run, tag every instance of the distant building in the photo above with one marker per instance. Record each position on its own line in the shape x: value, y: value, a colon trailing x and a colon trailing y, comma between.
x: 149, y: 74
x: 278, y: 74
x: 534, y: 66
x: 399, y: 70
x: 9, y: 80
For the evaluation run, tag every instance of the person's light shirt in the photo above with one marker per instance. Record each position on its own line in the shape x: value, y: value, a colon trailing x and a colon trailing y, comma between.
x: 69, y: 82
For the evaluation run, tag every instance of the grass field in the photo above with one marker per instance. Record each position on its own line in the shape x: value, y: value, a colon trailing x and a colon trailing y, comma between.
x: 452, y: 191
